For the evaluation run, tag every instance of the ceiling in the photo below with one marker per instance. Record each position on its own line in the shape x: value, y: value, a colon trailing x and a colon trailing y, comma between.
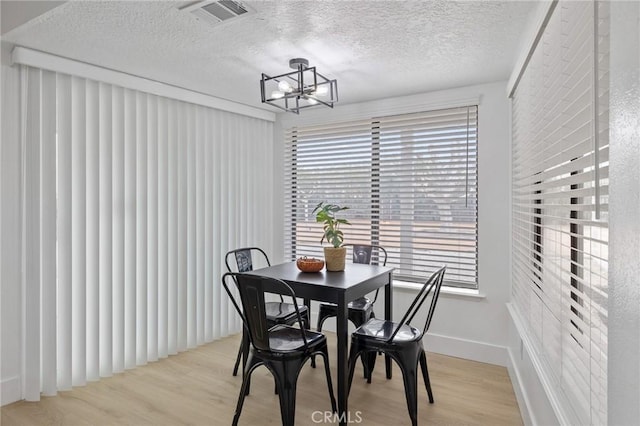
x: 375, y: 49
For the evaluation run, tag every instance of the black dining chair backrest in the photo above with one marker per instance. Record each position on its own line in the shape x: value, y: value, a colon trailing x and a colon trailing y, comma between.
x: 252, y: 289
x: 244, y: 258
x: 433, y: 284
x: 368, y: 254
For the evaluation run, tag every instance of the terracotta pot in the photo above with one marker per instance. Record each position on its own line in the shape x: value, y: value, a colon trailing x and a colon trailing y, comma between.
x: 334, y: 258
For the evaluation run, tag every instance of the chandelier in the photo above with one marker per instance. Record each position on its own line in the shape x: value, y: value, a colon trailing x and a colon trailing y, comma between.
x: 299, y: 89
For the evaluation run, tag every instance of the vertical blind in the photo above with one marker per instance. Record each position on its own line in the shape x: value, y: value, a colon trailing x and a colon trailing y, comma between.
x: 130, y: 201
x: 410, y: 182
x: 560, y: 194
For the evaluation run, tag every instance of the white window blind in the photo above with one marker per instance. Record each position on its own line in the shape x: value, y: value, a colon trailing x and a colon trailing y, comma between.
x: 409, y: 180
x: 560, y: 193
x: 130, y: 201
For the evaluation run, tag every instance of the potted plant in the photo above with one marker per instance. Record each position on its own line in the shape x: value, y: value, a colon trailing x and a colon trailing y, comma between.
x: 335, y: 255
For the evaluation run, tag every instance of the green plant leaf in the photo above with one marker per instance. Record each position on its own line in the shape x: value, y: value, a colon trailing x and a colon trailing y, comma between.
x: 326, y: 213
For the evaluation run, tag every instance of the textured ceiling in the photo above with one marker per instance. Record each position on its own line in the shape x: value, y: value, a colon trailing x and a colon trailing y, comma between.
x: 375, y: 49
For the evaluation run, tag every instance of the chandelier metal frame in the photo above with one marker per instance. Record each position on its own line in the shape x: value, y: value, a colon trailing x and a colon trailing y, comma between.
x: 296, y: 90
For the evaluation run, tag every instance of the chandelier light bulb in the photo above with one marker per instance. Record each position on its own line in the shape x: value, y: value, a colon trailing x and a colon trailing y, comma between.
x: 284, y: 86
x: 322, y: 90
x: 312, y: 101
x: 276, y: 94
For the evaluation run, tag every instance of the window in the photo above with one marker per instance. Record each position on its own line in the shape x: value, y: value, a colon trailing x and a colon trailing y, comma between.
x: 560, y: 196
x: 410, y: 181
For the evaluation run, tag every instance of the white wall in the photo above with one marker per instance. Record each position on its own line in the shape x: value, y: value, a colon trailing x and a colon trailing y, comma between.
x: 624, y: 217
x: 10, y: 319
x: 470, y: 327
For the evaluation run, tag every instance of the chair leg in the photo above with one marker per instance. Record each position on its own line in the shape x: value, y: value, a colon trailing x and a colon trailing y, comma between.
x: 248, y: 359
x: 364, y: 358
x: 307, y: 319
x: 236, y: 416
x: 286, y: 377
x: 321, y: 319
x: 244, y: 389
x: 325, y: 357
x: 238, y: 359
x: 425, y: 375
x: 410, y: 378
x: 320, y: 322
x: 387, y: 365
x: 371, y: 363
x: 287, y: 396
x: 244, y: 346
x: 351, y: 364
x: 371, y: 358
x: 358, y: 318
x: 248, y: 388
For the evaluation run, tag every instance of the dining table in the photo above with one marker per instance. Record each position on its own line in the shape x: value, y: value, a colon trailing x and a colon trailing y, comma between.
x: 340, y: 288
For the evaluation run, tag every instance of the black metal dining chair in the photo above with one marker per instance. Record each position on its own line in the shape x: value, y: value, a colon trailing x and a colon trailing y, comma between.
x: 402, y: 342
x: 276, y: 312
x: 282, y: 348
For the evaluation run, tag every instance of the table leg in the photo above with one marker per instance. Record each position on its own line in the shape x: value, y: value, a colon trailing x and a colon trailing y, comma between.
x: 343, y: 373
x: 388, y: 315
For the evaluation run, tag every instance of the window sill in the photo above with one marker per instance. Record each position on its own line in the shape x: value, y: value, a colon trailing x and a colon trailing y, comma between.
x: 448, y: 291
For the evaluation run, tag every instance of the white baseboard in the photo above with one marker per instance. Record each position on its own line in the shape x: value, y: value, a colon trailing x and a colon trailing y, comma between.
x: 467, y: 349
x: 528, y: 417
x: 10, y: 390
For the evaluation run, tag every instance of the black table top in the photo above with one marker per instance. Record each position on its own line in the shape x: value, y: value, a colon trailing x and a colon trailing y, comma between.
x: 355, y: 281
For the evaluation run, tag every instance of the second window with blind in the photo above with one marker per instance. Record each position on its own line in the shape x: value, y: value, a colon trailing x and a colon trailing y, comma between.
x: 410, y: 182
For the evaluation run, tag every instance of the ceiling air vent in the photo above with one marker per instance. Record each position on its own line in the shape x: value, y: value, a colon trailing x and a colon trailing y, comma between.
x: 216, y: 12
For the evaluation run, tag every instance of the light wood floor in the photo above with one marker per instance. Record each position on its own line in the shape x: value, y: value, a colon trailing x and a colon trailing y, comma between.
x: 197, y: 388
